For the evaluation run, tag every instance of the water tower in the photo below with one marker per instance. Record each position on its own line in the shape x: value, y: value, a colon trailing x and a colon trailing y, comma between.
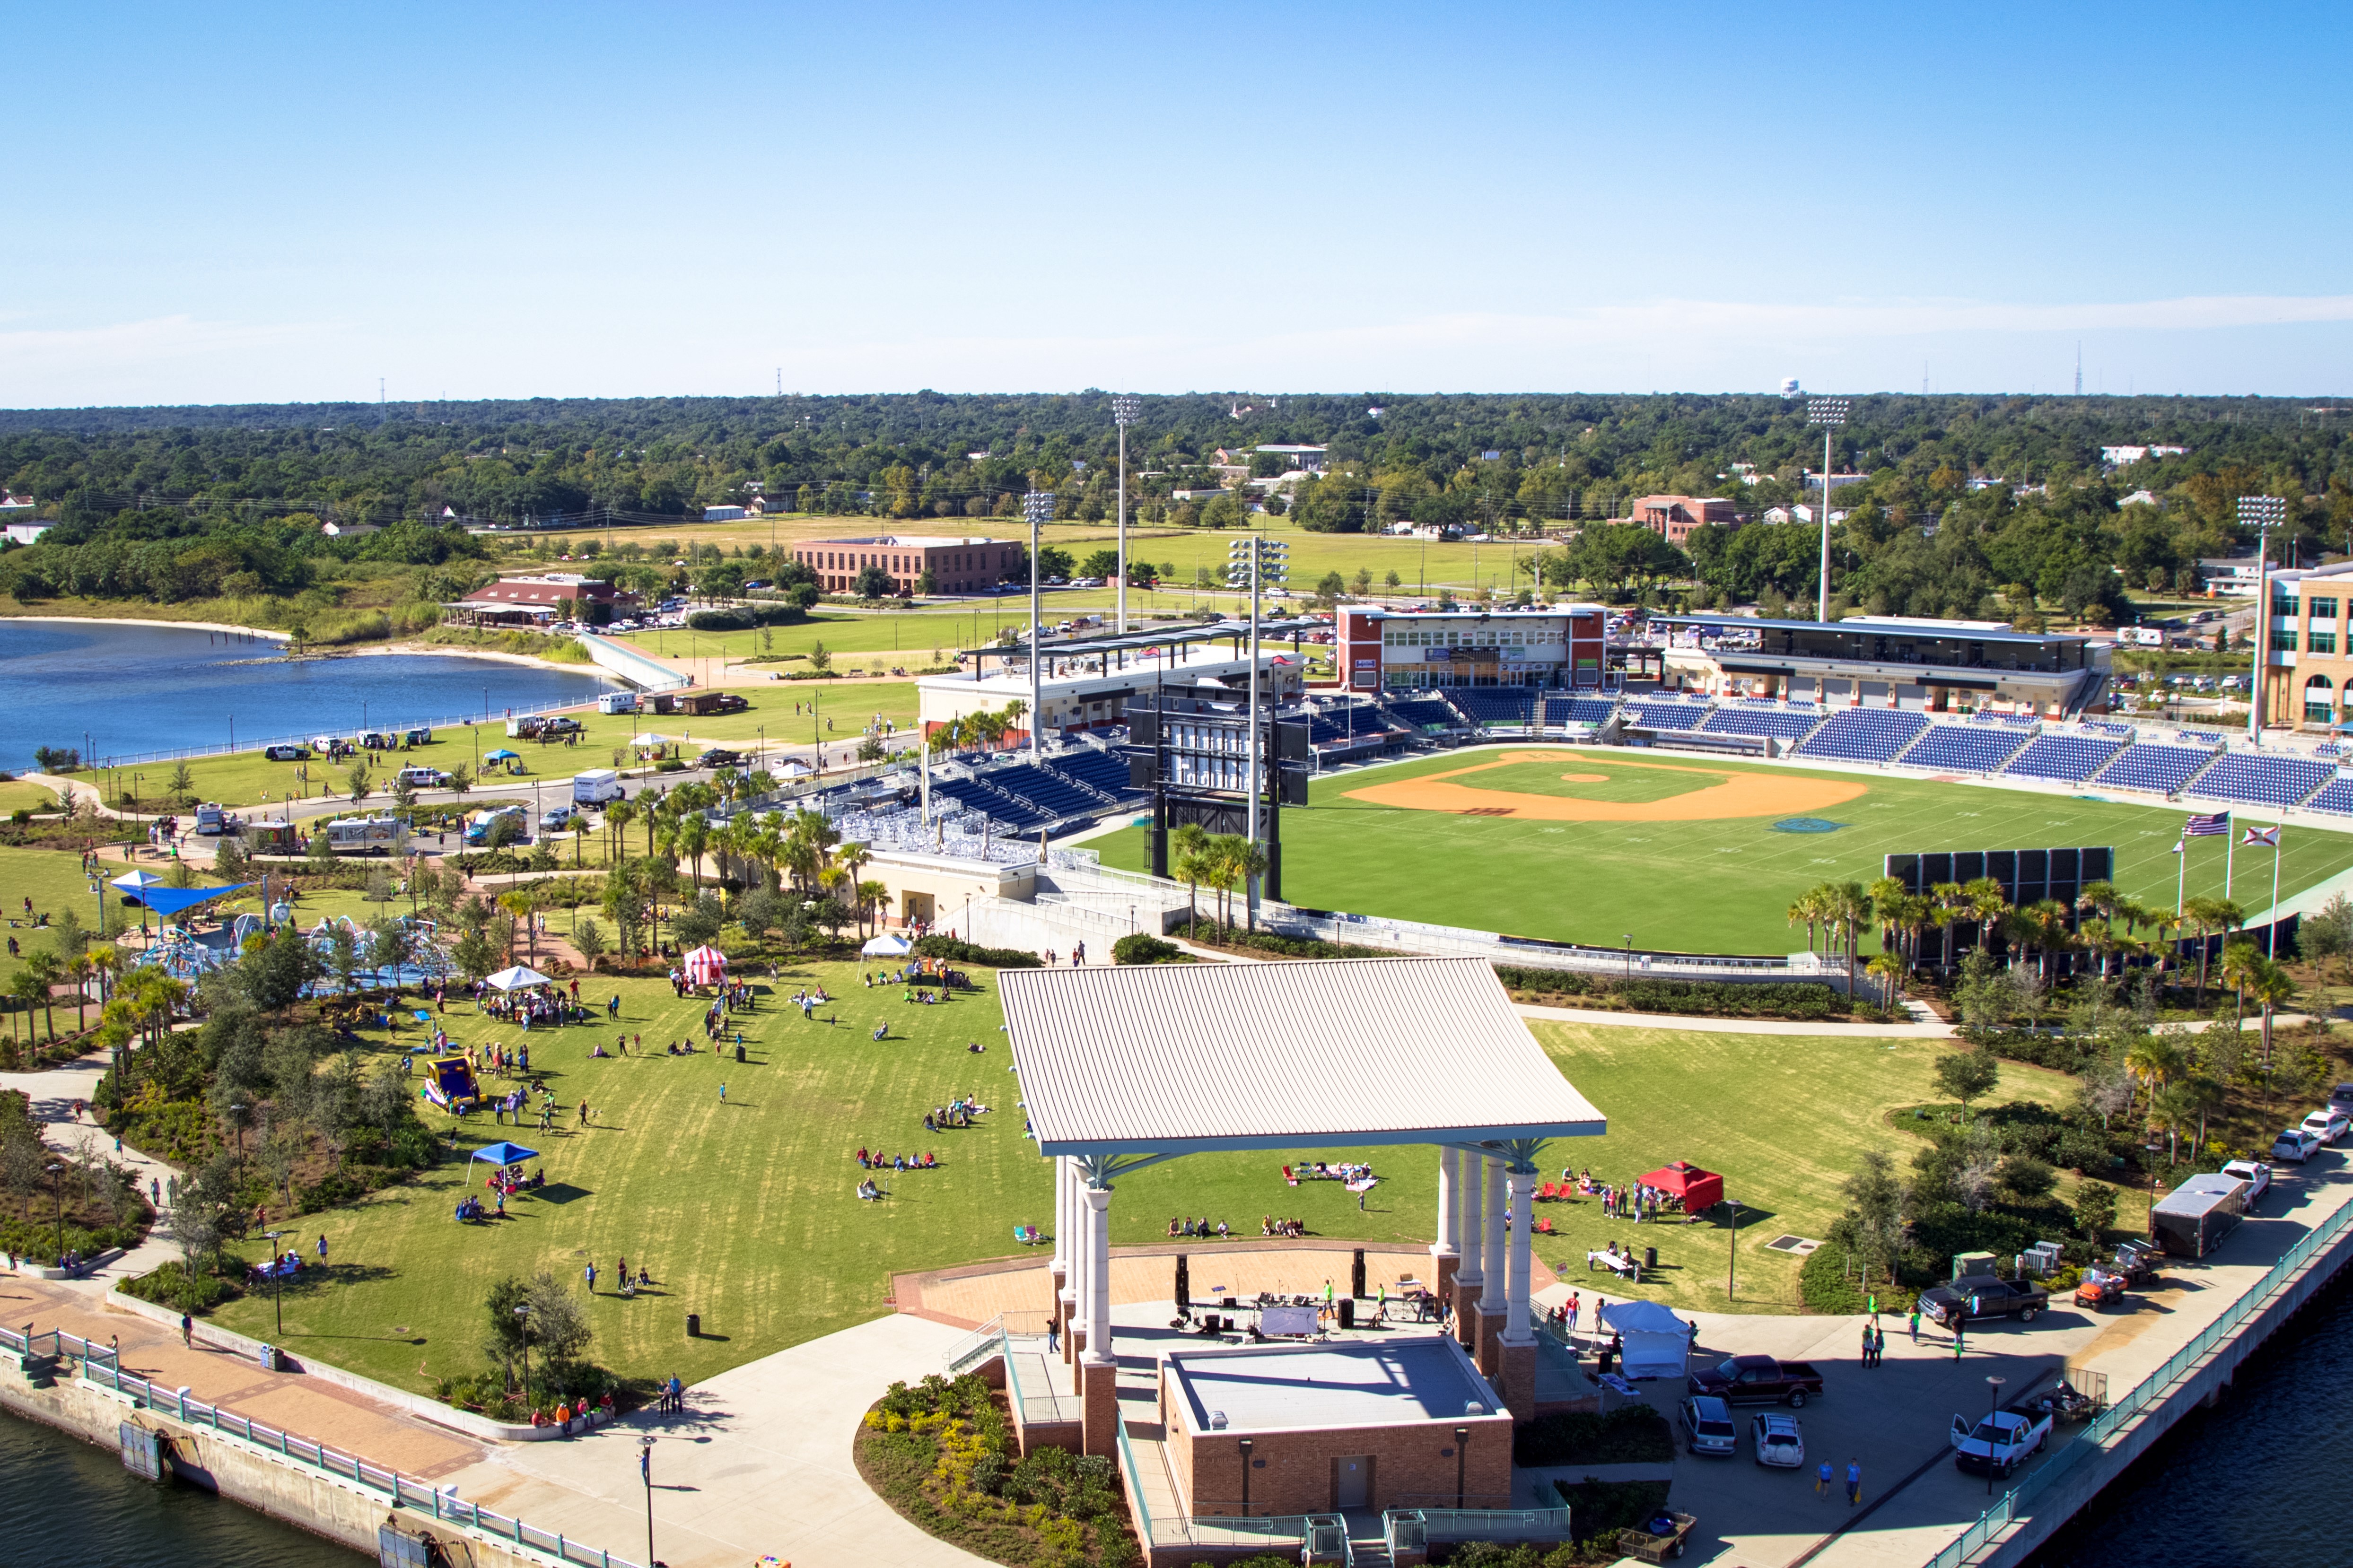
x: 1788, y: 386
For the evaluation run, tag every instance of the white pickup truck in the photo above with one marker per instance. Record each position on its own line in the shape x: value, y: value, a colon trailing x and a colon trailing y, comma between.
x: 2000, y: 1442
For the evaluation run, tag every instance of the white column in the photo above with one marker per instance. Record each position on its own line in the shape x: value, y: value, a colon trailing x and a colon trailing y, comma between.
x: 1449, y: 1206
x: 1062, y: 1219
x: 1098, y: 1275
x: 1470, y: 1193
x: 1074, y: 1284
x: 1516, y: 1302
x: 1491, y: 1250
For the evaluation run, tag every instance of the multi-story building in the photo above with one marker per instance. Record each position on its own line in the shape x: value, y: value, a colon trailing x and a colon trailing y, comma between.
x: 548, y: 596
x: 2307, y: 669
x: 1895, y: 660
x: 1560, y: 645
x: 957, y: 565
x: 1673, y: 518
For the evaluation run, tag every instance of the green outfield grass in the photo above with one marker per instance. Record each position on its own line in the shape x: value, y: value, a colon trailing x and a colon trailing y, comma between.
x: 1720, y: 886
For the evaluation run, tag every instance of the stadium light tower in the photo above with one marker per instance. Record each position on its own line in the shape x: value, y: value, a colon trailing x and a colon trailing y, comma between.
x: 1830, y: 413
x: 1122, y: 414
x: 1250, y: 563
x: 2261, y: 513
x: 1037, y: 506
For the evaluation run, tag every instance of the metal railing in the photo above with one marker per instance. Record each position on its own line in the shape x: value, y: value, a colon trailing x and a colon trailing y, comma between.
x: 99, y: 1366
x: 1489, y: 1523
x: 2184, y: 1363
x: 1138, y: 1511
x: 975, y: 1348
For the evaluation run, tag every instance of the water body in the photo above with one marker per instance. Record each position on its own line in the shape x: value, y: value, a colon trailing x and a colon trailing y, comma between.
x: 2260, y: 1479
x: 152, y: 688
x: 65, y: 1502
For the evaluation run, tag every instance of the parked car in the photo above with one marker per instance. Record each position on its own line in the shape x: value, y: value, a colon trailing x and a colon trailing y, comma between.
x: 556, y: 818
x: 2341, y: 1098
x: 2328, y: 1125
x: 1976, y: 1295
x: 1758, y: 1380
x: 1707, y: 1426
x: 719, y: 757
x: 286, y: 753
x: 423, y: 778
x: 1778, y: 1441
x: 559, y: 725
x: 2295, y: 1146
x: 2000, y: 1442
x: 2255, y: 1173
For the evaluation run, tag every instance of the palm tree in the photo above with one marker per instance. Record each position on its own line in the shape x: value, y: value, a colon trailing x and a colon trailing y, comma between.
x: 46, y: 969
x: 871, y: 896
x: 1189, y: 840
x: 79, y: 970
x: 1889, y: 969
x: 618, y: 818
x: 2239, y: 961
x: 1851, y: 907
x: 2041, y: 926
x: 2203, y: 916
x: 1804, y: 908
x: 692, y: 836
x: 2173, y: 1108
x: 2270, y: 986
x: 1951, y: 903
x: 1987, y: 904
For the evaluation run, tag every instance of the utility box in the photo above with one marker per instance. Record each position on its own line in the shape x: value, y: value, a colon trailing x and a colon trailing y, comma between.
x: 1968, y: 1262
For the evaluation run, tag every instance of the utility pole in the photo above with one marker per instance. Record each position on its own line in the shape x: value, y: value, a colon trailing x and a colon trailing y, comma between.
x: 1830, y: 413
x: 1122, y: 414
x: 1038, y: 507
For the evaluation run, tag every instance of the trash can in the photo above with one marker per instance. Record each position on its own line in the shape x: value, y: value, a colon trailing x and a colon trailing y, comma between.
x: 1347, y: 1311
x: 265, y: 1357
x: 694, y: 1325
x: 739, y: 1050
x: 1649, y: 1258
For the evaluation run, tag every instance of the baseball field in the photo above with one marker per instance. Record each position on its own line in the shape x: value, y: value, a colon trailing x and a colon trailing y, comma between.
x: 1690, y: 853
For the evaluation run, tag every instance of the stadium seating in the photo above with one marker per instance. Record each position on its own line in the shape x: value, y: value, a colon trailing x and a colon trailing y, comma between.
x: 1360, y: 724
x: 1657, y: 715
x: 2336, y: 796
x: 1421, y: 712
x: 1865, y: 734
x: 2069, y: 758
x: 2257, y: 778
x: 1011, y: 815
x: 1963, y: 747
x: 2012, y: 720
x: 1105, y: 771
x: 2160, y: 769
x: 1578, y: 709
x: 2102, y: 727
x: 1495, y: 705
x: 1762, y: 718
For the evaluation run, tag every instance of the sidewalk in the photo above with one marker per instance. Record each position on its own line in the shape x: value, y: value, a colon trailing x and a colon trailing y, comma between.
x: 53, y: 1094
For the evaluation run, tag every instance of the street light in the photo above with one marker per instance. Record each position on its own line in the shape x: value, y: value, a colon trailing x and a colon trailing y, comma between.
x: 1830, y: 413
x: 277, y: 1280
x: 1037, y: 506
x: 1250, y: 563
x: 2261, y: 513
x: 1993, y: 1407
x: 1122, y: 414
x: 1629, y: 956
x: 646, y: 1474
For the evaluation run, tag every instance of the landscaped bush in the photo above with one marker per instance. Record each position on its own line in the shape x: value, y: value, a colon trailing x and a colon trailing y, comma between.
x: 959, y: 951
x: 173, y: 1285
x: 2066, y: 1053
x: 743, y: 619
x: 1827, y: 1282
x: 1138, y: 948
x: 940, y: 1454
x: 1634, y: 1434
x: 1806, y: 999
x: 1282, y: 946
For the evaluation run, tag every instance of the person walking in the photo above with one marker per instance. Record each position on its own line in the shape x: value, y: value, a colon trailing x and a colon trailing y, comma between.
x: 187, y: 1332
x: 1916, y: 1323
x: 722, y: 1094
x: 589, y: 1274
x: 1853, y: 1482
x: 1054, y: 1336
x: 1822, y: 1479
x: 1866, y: 1345
x: 1957, y: 1335
x: 322, y: 1249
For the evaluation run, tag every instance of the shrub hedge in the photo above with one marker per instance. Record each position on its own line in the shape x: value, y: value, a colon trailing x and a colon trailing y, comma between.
x: 1138, y: 948
x: 1803, y: 999
x: 957, y: 951
x: 1634, y: 1434
x: 744, y: 617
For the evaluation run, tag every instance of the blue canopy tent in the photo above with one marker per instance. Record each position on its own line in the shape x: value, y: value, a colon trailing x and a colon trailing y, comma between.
x: 505, y: 1154
x: 169, y: 901
x: 502, y: 755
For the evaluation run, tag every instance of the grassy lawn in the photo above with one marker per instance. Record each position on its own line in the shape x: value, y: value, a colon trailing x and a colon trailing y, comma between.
x: 16, y: 794
x: 53, y: 880
x: 1703, y: 886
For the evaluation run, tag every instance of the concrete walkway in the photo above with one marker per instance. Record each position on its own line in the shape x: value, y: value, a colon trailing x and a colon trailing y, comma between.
x: 54, y: 1094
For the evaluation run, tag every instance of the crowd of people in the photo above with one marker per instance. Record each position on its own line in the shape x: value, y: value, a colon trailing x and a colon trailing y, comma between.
x: 540, y: 1008
x: 1326, y: 1171
x: 960, y: 1111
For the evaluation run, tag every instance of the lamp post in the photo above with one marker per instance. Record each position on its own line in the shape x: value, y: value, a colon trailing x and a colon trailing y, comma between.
x: 1830, y: 413
x: 1732, y: 1250
x: 2261, y: 513
x: 277, y: 1281
x: 1250, y: 563
x: 1993, y: 1407
x: 57, y: 1197
x: 646, y: 1474
x: 1462, y: 1455
x: 1244, y: 1445
x: 1122, y: 414
x: 522, y: 1316
x: 1037, y: 506
x: 1629, y: 956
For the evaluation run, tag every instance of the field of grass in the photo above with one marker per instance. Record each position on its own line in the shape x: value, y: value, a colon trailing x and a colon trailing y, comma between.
x: 16, y: 794
x: 53, y: 880
x: 1720, y: 886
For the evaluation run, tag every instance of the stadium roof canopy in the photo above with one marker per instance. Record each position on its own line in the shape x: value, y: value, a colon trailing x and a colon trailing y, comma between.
x: 1197, y: 1058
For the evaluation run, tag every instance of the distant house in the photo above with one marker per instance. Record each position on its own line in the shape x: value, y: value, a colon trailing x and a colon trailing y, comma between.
x: 2121, y: 456
x: 1673, y: 518
x: 349, y: 530
x: 2232, y: 577
x: 24, y: 533
x: 724, y: 514
x: 1838, y: 481
x: 550, y: 596
x: 2141, y: 498
x: 1307, y: 459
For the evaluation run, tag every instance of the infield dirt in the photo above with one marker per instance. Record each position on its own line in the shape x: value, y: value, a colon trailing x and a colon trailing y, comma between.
x: 1737, y: 794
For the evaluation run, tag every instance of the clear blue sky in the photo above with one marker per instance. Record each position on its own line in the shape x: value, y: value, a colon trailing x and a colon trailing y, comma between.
x: 253, y: 202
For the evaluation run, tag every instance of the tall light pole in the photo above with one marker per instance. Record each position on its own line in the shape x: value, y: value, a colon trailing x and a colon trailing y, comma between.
x: 2261, y: 513
x: 1122, y: 414
x: 1037, y: 506
x: 1830, y: 413
x: 1250, y: 563
x: 1993, y: 1407
x: 277, y: 1279
x: 646, y: 1474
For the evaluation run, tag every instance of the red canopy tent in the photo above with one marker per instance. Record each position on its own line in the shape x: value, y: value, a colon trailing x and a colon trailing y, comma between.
x: 706, y: 966
x: 1700, y: 1190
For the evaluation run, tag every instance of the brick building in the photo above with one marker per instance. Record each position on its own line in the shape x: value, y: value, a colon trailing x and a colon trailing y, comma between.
x: 1560, y: 645
x: 551, y: 596
x: 957, y: 565
x: 1673, y: 518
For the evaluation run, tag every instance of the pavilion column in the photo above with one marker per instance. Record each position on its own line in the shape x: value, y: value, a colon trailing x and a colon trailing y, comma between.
x: 1445, y: 1253
x: 1062, y: 1265
x: 1491, y: 1269
x: 1098, y: 1367
x: 1470, y: 1199
x: 1515, y: 1354
x: 1070, y: 1301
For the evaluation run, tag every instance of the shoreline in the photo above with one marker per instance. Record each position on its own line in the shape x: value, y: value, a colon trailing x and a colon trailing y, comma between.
x: 142, y: 621
x: 369, y: 651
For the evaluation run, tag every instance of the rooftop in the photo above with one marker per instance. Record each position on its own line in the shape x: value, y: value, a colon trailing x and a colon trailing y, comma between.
x: 1331, y: 1053
x: 906, y: 541
x: 1883, y: 625
x: 1344, y: 1383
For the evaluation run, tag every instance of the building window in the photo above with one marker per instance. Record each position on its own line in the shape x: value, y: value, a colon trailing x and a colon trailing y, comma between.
x: 2317, y: 700
x: 2284, y: 641
x: 2322, y: 609
x: 2320, y: 642
x: 2284, y: 607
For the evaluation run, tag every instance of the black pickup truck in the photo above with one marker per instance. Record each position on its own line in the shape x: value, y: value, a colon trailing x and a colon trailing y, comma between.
x: 1758, y: 1380
x: 1976, y: 1295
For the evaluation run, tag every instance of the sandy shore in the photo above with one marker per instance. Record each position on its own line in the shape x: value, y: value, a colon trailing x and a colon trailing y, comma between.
x: 447, y: 652
x: 130, y: 621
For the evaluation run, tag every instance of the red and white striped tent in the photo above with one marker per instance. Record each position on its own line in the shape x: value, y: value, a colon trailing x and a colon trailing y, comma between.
x: 706, y: 966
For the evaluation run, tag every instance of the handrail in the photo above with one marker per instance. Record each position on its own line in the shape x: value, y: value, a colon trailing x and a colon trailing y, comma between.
x: 1138, y: 1510
x: 99, y: 1366
x: 2181, y: 1364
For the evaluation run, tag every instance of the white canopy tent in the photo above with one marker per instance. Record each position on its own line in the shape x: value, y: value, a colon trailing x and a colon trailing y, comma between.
x: 519, y: 978
x: 1656, y: 1341
x: 887, y: 944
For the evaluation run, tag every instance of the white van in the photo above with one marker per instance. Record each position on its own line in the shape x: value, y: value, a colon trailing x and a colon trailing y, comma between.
x: 596, y: 787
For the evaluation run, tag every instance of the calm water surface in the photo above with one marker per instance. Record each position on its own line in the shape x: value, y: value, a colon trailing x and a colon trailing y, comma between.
x: 65, y: 1502
x: 152, y: 688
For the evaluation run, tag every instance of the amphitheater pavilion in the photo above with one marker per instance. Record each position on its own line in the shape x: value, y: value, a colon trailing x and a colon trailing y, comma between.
x: 1125, y: 1066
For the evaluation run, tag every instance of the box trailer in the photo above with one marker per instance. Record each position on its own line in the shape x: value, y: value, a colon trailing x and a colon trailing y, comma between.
x: 364, y: 834
x: 617, y: 703
x: 2197, y: 1216
x: 596, y: 787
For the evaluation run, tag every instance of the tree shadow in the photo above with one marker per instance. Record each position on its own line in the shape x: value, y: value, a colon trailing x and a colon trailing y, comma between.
x: 560, y: 1193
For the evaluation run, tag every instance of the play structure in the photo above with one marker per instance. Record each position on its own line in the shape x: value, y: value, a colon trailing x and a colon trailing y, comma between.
x: 450, y: 1084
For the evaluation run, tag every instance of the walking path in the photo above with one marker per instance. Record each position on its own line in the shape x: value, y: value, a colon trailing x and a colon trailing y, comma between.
x: 54, y: 1094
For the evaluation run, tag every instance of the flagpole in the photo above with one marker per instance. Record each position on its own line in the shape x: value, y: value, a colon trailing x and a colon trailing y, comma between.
x: 2180, y: 869
x: 2270, y: 932
x: 2230, y: 850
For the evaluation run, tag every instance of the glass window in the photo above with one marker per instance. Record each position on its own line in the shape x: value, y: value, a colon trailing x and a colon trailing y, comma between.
x: 2320, y: 642
x: 2322, y: 609
x: 2284, y: 606
x: 2284, y: 641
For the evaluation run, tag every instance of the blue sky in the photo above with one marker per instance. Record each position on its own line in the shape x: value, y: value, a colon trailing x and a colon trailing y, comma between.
x: 253, y: 202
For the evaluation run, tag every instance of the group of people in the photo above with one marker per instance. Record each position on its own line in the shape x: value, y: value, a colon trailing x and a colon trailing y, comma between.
x: 1618, y: 1259
x: 1327, y: 1171
x: 957, y: 1113
x: 1200, y: 1228
x: 629, y: 1283
x: 574, y: 1415
x: 927, y: 1160
x: 1633, y: 1204
x: 534, y: 1008
x: 1270, y: 1226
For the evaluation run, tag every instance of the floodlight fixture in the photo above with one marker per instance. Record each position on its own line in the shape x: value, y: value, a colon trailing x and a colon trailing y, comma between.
x: 1038, y: 507
x: 2261, y: 513
x: 1122, y: 414
x: 1826, y: 410
x: 1830, y: 413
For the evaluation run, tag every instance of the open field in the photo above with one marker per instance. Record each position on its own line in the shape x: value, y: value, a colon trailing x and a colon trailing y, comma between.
x: 1681, y: 851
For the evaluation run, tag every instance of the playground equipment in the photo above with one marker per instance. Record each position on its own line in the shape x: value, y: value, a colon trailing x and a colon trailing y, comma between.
x: 450, y: 1084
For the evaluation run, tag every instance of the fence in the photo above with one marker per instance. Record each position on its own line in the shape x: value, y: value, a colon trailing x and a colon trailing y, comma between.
x: 99, y: 1366
x: 2014, y: 1503
x: 143, y: 759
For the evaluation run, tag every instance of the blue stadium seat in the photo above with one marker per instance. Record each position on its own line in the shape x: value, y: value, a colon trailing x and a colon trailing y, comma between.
x: 1496, y: 705
x: 1578, y: 709
x: 2069, y: 758
x: 2336, y: 796
x: 2162, y: 770
x: 1762, y: 718
x: 1654, y: 714
x: 1422, y: 712
x: 2257, y: 778
x: 1865, y: 734
x: 1963, y: 747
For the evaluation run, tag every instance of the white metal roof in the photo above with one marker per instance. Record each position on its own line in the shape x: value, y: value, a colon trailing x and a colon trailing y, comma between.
x: 1186, y: 1057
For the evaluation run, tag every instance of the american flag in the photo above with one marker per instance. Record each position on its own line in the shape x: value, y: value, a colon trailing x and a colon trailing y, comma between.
x: 2206, y: 826
x: 2269, y: 837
